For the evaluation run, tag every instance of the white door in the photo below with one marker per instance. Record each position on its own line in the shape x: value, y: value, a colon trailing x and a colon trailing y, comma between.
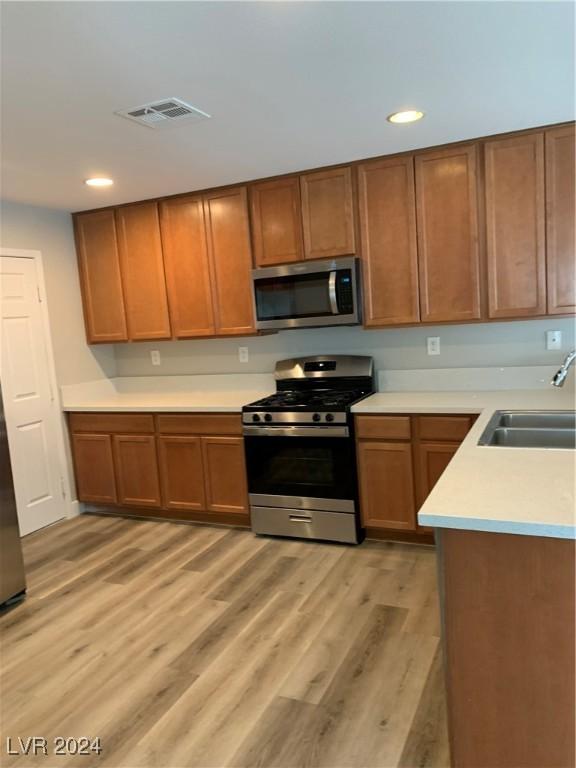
x: 29, y: 404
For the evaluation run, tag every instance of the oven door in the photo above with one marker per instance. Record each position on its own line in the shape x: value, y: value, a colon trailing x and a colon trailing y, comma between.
x: 311, y: 471
x: 306, y: 295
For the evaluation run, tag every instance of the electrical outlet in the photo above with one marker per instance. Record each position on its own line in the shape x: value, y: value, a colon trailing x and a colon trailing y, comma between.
x: 243, y: 354
x: 553, y: 339
x: 433, y: 345
x: 155, y: 357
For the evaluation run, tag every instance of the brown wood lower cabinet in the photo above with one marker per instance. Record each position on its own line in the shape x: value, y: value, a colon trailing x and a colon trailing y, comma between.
x: 400, y: 459
x: 182, y: 473
x: 225, y: 475
x: 187, y: 466
x: 137, y: 470
x: 431, y: 459
x: 94, y: 468
x: 387, y: 485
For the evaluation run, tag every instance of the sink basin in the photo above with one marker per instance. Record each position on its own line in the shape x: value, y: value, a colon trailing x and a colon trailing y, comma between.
x: 531, y: 429
x: 538, y: 419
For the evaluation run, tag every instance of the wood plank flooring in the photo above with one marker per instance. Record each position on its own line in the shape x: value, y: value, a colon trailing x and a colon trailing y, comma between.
x: 190, y: 646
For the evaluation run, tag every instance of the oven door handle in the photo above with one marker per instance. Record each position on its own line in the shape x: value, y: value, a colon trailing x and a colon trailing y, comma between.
x: 332, y: 293
x: 296, y: 432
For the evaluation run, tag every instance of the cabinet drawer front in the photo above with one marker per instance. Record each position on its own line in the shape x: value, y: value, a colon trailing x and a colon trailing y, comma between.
x: 311, y: 524
x: 444, y: 427
x: 200, y: 424
x: 386, y: 427
x: 127, y: 423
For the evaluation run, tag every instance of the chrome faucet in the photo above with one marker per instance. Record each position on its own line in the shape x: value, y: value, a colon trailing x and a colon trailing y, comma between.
x: 562, y: 372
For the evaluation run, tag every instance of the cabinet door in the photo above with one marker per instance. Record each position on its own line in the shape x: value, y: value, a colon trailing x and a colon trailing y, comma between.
x: 276, y: 221
x: 137, y: 470
x: 100, y: 280
x: 225, y: 474
x: 94, y: 468
x: 432, y: 460
x: 143, y: 271
x: 388, y: 231
x: 187, y: 267
x: 328, y: 213
x: 231, y: 259
x: 514, y: 170
x: 447, y: 222
x: 181, y: 472
x: 386, y: 485
x: 560, y: 207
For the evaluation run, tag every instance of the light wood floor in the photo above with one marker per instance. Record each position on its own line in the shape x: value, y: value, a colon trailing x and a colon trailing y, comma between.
x: 199, y: 646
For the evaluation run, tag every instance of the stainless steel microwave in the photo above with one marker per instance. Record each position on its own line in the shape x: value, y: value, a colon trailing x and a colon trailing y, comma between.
x: 308, y: 295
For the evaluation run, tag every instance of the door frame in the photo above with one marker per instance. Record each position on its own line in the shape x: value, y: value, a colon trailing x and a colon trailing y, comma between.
x: 70, y: 506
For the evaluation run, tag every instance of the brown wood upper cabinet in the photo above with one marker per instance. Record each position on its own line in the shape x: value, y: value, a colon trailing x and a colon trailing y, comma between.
x: 228, y: 236
x: 303, y: 217
x: 328, y: 213
x: 447, y: 222
x: 187, y: 267
x: 208, y: 261
x: 560, y: 207
x: 142, y: 269
x: 100, y: 279
x: 515, y: 246
x: 388, y: 233
x: 276, y: 221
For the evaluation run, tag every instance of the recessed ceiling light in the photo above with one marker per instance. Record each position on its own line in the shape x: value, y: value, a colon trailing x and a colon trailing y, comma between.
x: 408, y: 116
x: 99, y: 181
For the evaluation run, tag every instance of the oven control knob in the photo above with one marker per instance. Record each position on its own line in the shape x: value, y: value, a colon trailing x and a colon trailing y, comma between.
x: 255, y: 417
x: 329, y: 417
x: 316, y: 417
x: 267, y: 417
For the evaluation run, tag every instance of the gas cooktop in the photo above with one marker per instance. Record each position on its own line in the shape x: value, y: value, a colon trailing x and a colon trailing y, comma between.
x: 314, y: 389
x: 314, y: 400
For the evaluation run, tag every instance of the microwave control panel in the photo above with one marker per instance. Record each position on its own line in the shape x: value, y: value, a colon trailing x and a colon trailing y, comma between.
x: 344, y: 294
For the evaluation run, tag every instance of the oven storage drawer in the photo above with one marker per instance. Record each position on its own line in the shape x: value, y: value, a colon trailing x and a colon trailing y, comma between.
x: 305, y: 524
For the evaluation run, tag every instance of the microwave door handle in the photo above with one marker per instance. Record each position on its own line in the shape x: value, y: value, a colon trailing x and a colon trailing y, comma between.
x: 332, y: 292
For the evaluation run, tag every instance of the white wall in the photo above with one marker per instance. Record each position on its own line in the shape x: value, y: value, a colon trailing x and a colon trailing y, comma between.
x: 473, y: 345
x: 49, y: 231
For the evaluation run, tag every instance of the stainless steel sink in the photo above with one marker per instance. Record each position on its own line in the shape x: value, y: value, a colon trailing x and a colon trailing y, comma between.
x: 531, y: 429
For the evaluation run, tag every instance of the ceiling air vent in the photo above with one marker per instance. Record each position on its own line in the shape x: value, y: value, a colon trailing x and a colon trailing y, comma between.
x: 163, y: 113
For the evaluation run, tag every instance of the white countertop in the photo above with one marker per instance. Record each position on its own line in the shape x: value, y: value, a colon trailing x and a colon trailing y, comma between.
x: 217, y: 393
x: 527, y: 491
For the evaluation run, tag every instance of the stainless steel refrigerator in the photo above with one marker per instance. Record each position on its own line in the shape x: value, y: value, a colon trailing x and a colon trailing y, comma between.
x: 12, y: 579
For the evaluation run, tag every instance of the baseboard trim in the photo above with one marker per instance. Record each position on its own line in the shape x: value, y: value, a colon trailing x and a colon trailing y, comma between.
x: 162, y: 515
x: 379, y: 534
x: 74, y: 509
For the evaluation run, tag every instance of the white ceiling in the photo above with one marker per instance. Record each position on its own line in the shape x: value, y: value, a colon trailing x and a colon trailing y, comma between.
x: 290, y: 85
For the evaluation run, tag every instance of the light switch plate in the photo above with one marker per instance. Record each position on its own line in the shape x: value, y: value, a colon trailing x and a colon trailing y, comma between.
x: 553, y: 339
x: 155, y: 357
x: 243, y: 354
x: 433, y: 345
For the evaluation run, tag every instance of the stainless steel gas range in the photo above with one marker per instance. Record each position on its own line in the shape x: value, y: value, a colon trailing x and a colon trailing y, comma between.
x: 300, y: 449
